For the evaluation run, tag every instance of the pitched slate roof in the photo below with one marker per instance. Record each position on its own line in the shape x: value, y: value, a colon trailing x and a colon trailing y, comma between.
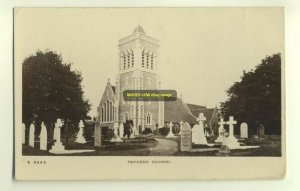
x: 207, y: 112
x: 177, y: 111
x: 193, y: 107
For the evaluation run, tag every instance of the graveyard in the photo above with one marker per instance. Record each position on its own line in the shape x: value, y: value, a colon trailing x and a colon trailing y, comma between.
x: 188, y: 142
x: 55, y: 121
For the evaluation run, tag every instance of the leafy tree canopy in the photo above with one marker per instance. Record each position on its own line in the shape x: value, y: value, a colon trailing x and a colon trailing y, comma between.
x: 51, y: 90
x: 257, y: 97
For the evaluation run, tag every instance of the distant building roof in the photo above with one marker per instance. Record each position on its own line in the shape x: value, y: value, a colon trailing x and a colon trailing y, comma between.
x: 139, y: 29
x: 193, y: 107
x: 207, y: 112
x: 177, y: 111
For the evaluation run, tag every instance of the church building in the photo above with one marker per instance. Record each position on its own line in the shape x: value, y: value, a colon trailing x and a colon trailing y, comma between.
x: 138, y: 66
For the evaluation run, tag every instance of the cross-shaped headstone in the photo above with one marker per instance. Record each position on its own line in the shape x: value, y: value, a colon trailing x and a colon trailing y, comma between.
x: 222, y: 122
x: 201, y: 118
x: 221, y: 128
x: 170, y: 135
x: 181, y: 124
x: 59, y: 123
x: 231, y: 122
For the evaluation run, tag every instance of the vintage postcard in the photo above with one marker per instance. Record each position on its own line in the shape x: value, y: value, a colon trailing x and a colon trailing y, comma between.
x: 149, y: 93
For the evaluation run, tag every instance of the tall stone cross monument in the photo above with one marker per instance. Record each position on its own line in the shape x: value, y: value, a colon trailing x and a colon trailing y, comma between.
x: 231, y: 141
x: 58, y: 146
x: 170, y: 135
x: 198, y: 136
x: 231, y: 122
x: 201, y: 118
x: 221, y: 131
x: 181, y: 125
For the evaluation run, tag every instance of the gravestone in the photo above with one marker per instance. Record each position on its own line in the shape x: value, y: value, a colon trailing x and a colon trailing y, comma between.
x: 206, y: 131
x: 31, y: 135
x: 23, y: 133
x: 181, y: 125
x: 261, y: 130
x: 43, y: 137
x: 58, y: 147
x: 198, y: 136
x: 244, y: 130
x: 186, y: 138
x: 58, y: 124
x: 116, y: 137
x: 231, y: 141
x: 221, y: 131
x: 121, y: 130
x: 97, y: 135
x: 171, y: 135
x: 79, y: 137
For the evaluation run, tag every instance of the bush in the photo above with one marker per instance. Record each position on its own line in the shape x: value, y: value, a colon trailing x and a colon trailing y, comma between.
x: 156, y: 132
x: 88, y: 130
x: 147, y: 131
x: 164, y: 131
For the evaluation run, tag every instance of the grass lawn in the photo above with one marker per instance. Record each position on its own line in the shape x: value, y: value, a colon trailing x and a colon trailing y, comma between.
x: 132, y: 147
x: 270, y: 146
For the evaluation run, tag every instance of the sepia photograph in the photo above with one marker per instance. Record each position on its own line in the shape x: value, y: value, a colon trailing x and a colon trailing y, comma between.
x: 150, y: 86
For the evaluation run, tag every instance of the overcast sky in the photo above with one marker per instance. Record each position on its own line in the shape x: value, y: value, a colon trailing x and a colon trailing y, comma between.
x: 202, y: 51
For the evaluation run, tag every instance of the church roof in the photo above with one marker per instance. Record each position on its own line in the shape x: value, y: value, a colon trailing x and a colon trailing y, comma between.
x: 177, y: 111
x: 207, y: 112
x: 139, y: 29
x: 193, y: 107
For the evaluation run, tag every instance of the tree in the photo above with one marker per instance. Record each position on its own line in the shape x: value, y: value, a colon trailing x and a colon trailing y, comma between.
x: 257, y: 97
x: 52, y: 90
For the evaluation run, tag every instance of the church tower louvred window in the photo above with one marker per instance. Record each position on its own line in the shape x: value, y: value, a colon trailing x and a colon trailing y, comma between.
x: 143, y: 59
x: 152, y: 62
x: 128, y: 61
x: 147, y: 60
x: 132, y: 59
x: 124, y: 62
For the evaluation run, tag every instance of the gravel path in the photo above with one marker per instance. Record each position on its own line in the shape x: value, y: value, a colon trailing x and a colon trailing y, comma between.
x: 164, y: 147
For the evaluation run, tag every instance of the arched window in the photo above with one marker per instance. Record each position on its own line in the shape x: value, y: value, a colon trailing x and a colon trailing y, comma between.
x: 105, y: 114
x: 132, y: 59
x: 124, y: 61
x: 152, y: 62
x: 147, y: 60
x: 143, y: 59
x: 113, y: 113
x: 128, y: 60
x: 110, y: 111
x: 148, y: 119
x: 102, y: 112
x: 107, y: 110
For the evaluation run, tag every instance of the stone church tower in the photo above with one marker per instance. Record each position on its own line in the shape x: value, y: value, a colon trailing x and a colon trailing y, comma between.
x: 138, y: 63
